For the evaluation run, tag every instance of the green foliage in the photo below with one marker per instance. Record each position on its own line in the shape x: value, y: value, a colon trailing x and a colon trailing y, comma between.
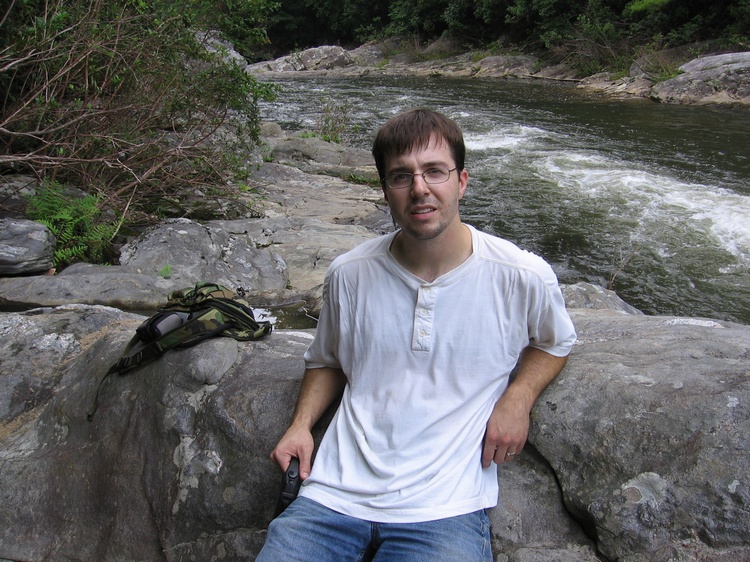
x: 645, y: 6
x: 242, y: 22
x: 123, y: 99
x: 420, y: 18
x: 594, y: 34
x: 165, y: 272
x: 334, y: 121
x: 303, y: 23
x: 80, y: 228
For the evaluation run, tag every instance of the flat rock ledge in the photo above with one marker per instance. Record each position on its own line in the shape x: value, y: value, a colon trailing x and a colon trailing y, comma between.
x: 720, y: 80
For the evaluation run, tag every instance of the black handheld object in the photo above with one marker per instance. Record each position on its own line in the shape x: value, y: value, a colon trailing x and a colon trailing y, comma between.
x: 290, y: 484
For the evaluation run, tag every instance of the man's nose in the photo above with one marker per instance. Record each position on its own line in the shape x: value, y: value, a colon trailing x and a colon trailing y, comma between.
x: 419, y: 187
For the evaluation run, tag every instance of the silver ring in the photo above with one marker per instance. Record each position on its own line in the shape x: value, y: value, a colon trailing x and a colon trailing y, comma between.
x: 510, y: 454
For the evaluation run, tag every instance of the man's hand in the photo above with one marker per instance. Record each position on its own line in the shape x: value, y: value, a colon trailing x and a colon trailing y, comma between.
x: 296, y: 442
x: 507, y: 430
x: 508, y: 426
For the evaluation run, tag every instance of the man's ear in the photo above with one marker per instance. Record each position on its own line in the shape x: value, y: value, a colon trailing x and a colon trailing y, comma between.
x: 463, y: 182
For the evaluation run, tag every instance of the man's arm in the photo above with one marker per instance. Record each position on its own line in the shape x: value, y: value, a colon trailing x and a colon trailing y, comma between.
x: 320, y: 387
x: 508, y: 426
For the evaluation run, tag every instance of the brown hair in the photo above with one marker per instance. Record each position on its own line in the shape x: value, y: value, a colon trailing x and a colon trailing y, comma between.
x: 413, y: 130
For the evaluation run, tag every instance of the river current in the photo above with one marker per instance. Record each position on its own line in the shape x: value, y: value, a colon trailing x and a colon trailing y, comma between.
x: 651, y: 200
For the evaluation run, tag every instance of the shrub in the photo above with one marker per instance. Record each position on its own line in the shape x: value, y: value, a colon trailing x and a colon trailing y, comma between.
x: 120, y: 99
x: 334, y: 121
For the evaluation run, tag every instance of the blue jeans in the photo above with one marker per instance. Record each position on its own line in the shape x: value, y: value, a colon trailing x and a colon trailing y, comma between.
x: 310, y: 532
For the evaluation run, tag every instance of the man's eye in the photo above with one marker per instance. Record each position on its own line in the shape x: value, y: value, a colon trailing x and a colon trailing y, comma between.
x: 435, y: 173
x: 401, y: 177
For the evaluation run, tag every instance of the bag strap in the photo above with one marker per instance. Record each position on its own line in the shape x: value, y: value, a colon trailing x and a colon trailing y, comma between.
x: 138, y: 353
x: 200, y: 302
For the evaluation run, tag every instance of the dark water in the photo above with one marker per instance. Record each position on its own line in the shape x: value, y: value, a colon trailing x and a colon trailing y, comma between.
x: 652, y: 200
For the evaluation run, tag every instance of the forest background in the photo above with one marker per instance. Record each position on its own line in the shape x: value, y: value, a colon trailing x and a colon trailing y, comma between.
x: 130, y: 102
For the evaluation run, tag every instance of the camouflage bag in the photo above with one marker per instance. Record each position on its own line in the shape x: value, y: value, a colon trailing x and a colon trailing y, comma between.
x: 190, y: 316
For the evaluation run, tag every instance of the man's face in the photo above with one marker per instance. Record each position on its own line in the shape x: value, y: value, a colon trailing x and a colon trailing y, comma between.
x: 424, y: 211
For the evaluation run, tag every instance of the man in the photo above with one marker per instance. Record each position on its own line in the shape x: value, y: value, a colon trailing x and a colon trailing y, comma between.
x: 419, y: 332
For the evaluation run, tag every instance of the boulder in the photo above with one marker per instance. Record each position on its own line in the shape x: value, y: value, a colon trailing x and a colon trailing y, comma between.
x: 586, y: 295
x: 623, y: 88
x: 173, y: 466
x: 372, y: 53
x: 638, y: 450
x: 318, y: 58
x: 26, y: 247
x: 444, y: 46
x: 214, y: 43
x: 308, y: 219
x: 173, y: 255
x: 718, y: 79
x: 655, y: 63
x: 186, y: 252
x: 85, y: 283
x: 279, y: 260
x: 646, y: 431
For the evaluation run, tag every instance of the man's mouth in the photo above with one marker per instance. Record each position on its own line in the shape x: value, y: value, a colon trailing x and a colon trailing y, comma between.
x: 422, y: 211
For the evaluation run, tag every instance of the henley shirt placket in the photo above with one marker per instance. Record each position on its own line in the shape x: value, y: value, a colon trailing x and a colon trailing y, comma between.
x: 424, y: 316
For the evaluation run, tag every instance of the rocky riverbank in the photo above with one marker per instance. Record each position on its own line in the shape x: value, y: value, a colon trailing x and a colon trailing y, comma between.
x: 638, y: 451
x: 721, y: 79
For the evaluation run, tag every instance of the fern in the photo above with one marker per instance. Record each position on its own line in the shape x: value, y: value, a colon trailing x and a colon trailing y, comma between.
x: 80, y: 230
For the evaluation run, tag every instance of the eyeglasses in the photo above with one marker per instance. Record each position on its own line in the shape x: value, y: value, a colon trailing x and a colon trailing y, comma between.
x: 401, y: 180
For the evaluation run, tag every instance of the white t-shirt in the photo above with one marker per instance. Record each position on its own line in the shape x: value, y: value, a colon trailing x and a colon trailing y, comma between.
x: 425, y: 364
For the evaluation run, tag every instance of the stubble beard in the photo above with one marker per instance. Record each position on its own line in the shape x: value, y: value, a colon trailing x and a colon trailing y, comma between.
x: 427, y: 232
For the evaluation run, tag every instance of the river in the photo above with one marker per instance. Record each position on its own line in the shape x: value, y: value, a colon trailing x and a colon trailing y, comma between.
x: 651, y: 200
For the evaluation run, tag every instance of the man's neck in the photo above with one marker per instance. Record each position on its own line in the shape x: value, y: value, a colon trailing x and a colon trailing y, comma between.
x: 429, y: 259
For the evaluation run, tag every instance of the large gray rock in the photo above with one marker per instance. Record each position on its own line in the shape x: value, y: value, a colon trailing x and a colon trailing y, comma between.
x: 173, y: 255
x: 530, y: 522
x: 194, y: 252
x: 626, y: 87
x: 586, y: 295
x: 307, y: 245
x: 718, y: 79
x: 85, y: 283
x: 372, y: 53
x: 647, y: 432
x: 25, y: 247
x: 177, y: 451
x: 309, y: 219
x: 317, y: 58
